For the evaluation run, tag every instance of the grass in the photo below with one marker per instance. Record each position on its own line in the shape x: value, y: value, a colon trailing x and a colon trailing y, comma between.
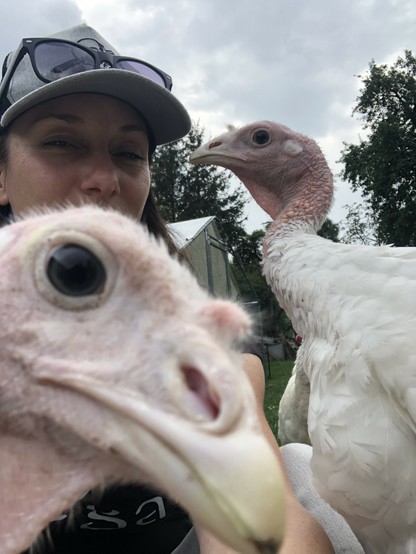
x: 280, y: 372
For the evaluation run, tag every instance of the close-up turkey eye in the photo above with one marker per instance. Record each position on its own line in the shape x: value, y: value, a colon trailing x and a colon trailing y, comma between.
x: 75, y: 271
x: 261, y: 137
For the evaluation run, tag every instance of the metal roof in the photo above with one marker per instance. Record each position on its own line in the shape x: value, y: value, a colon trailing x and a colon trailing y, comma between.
x: 184, y: 232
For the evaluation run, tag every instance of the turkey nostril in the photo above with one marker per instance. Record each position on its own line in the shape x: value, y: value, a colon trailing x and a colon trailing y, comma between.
x: 208, y: 401
x: 214, y: 144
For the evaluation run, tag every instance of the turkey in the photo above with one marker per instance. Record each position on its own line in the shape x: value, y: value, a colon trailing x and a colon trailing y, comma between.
x: 117, y: 367
x: 355, y: 307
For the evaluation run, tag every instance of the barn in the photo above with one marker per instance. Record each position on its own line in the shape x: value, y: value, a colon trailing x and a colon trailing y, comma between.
x: 201, y: 241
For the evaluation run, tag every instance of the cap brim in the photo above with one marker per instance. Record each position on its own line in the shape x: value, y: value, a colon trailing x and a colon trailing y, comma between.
x: 165, y: 115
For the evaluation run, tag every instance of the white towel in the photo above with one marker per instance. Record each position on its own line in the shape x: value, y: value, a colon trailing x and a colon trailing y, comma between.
x: 297, y: 462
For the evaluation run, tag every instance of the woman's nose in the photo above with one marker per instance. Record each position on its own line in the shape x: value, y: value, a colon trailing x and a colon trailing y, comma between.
x: 101, y: 178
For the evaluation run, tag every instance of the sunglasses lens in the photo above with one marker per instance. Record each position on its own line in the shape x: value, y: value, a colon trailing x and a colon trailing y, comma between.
x: 55, y: 60
x: 142, y: 69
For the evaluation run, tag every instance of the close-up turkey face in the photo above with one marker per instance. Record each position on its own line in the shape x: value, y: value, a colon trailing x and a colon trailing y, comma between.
x: 118, y: 368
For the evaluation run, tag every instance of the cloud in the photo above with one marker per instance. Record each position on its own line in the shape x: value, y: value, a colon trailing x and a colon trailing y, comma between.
x: 239, y: 61
x: 26, y: 18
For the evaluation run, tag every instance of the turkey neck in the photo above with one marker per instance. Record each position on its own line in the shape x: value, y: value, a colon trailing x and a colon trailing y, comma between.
x: 302, y: 203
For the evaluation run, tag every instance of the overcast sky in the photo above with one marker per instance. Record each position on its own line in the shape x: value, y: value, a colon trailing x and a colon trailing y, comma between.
x: 238, y: 61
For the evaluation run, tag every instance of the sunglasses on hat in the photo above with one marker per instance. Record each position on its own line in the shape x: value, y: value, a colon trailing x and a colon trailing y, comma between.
x: 54, y: 59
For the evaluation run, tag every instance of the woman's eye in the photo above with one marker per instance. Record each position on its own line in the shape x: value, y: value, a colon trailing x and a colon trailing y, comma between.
x: 131, y: 156
x: 59, y: 143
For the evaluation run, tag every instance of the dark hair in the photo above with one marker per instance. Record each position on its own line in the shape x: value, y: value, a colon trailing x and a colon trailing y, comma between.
x: 5, y: 211
x: 156, y: 224
x: 151, y: 217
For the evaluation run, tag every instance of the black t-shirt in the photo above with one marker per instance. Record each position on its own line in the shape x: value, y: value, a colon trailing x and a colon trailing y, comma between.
x: 125, y: 519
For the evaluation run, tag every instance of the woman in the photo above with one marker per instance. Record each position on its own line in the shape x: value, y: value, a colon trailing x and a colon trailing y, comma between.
x: 79, y: 125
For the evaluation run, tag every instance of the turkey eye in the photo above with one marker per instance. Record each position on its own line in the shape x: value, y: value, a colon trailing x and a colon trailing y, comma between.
x: 261, y: 137
x: 75, y: 271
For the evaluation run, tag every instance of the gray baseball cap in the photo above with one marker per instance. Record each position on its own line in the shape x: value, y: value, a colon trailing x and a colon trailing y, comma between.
x: 164, y: 115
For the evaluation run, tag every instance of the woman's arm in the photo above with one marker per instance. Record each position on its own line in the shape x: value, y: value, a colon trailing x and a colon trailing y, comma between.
x: 303, y: 533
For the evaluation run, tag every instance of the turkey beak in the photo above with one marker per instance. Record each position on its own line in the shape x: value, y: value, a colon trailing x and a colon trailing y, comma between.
x: 215, y: 152
x: 205, y: 153
x: 232, y: 485
x: 230, y: 482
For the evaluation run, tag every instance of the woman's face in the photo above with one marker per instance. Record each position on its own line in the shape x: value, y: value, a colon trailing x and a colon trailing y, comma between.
x: 80, y: 148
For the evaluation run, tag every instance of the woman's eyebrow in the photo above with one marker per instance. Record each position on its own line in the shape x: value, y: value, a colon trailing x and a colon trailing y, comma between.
x: 67, y: 117
x: 133, y: 127
x: 72, y: 119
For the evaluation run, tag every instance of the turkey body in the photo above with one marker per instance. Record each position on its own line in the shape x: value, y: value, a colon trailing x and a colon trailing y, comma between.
x: 358, y: 356
x: 355, y: 308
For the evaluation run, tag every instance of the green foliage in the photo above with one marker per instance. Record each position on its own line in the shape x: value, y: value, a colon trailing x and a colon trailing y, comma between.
x: 383, y: 166
x: 184, y: 191
x: 358, y: 226
x: 329, y: 230
x: 248, y: 274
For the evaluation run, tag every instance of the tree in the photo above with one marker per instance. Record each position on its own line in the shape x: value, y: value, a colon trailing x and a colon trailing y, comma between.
x: 329, y: 230
x: 184, y: 191
x: 358, y: 226
x: 254, y: 289
x: 383, y: 166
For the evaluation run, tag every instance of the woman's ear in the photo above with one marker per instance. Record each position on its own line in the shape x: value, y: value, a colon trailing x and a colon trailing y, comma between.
x: 4, y: 199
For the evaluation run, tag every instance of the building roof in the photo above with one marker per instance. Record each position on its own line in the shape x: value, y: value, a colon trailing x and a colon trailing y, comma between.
x: 185, y: 231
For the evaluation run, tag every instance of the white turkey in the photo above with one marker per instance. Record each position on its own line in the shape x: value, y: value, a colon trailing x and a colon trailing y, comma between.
x: 117, y: 367
x: 355, y: 307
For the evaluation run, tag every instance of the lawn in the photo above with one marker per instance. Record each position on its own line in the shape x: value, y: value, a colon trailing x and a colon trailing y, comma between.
x: 275, y: 386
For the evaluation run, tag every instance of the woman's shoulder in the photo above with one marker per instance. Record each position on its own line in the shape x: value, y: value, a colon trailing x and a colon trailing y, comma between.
x: 251, y: 346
